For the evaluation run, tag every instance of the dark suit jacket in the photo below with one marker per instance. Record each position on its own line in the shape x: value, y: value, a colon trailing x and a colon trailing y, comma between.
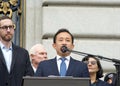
x: 20, y: 67
x: 101, y: 83
x: 49, y: 67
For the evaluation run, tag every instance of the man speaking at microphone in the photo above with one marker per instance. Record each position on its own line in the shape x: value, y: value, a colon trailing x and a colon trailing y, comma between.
x: 63, y: 64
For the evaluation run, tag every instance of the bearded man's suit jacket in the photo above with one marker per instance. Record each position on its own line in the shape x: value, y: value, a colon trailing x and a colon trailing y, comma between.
x: 20, y: 67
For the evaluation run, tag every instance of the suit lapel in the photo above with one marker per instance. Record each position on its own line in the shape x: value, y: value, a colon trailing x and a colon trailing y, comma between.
x: 13, y: 56
x: 54, y: 66
x: 70, y: 67
x: 2, y: 57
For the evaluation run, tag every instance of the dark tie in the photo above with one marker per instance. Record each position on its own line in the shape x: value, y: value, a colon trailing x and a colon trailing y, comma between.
x: 63, y: 67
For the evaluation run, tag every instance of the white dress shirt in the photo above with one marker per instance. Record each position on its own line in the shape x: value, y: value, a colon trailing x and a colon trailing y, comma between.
x: 7, y: 53
x: 34, y: 69
x: 59, y: 61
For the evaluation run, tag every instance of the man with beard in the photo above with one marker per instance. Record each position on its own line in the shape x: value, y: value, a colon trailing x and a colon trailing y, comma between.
x: 14, y: 60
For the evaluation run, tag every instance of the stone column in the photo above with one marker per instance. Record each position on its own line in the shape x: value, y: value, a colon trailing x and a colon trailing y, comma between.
x: 33, y: 22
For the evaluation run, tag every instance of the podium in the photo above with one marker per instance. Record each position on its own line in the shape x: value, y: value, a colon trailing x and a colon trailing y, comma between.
x: 55, y: 81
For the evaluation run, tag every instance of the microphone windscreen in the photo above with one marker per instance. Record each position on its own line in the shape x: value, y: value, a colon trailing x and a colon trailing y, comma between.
x: 64, y: 49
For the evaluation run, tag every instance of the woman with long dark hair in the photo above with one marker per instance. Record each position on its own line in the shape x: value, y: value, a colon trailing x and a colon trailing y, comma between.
x: 95, y: 71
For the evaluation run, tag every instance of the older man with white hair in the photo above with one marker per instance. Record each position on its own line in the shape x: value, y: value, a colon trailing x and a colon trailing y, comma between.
x: 37, y: 54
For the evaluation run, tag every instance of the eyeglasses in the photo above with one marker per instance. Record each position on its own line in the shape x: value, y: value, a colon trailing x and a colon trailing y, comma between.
x: 6, y: 27
x: 110, y: 75
x: 91, y: 62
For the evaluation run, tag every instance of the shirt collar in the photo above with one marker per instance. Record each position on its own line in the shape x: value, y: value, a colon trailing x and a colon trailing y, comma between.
x: 67, y: 57
x: 34, y: 69
x: 4, y: 47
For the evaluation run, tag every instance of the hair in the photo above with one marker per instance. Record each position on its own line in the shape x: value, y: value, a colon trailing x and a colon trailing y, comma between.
x: 109, y: 76
x: 112, y: 76
x: 5, y: 17
x: 60, y: 31
x: 99, y: 73
x: 33, y: 48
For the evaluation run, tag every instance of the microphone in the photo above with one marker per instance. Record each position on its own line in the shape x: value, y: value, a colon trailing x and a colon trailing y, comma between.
x: 64, y: 49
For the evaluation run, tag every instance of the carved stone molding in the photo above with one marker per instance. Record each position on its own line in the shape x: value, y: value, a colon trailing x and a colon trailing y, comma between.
x: 7, y: 7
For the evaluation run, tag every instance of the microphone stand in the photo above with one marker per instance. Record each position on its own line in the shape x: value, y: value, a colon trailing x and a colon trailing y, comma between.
x: 116, y: 61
